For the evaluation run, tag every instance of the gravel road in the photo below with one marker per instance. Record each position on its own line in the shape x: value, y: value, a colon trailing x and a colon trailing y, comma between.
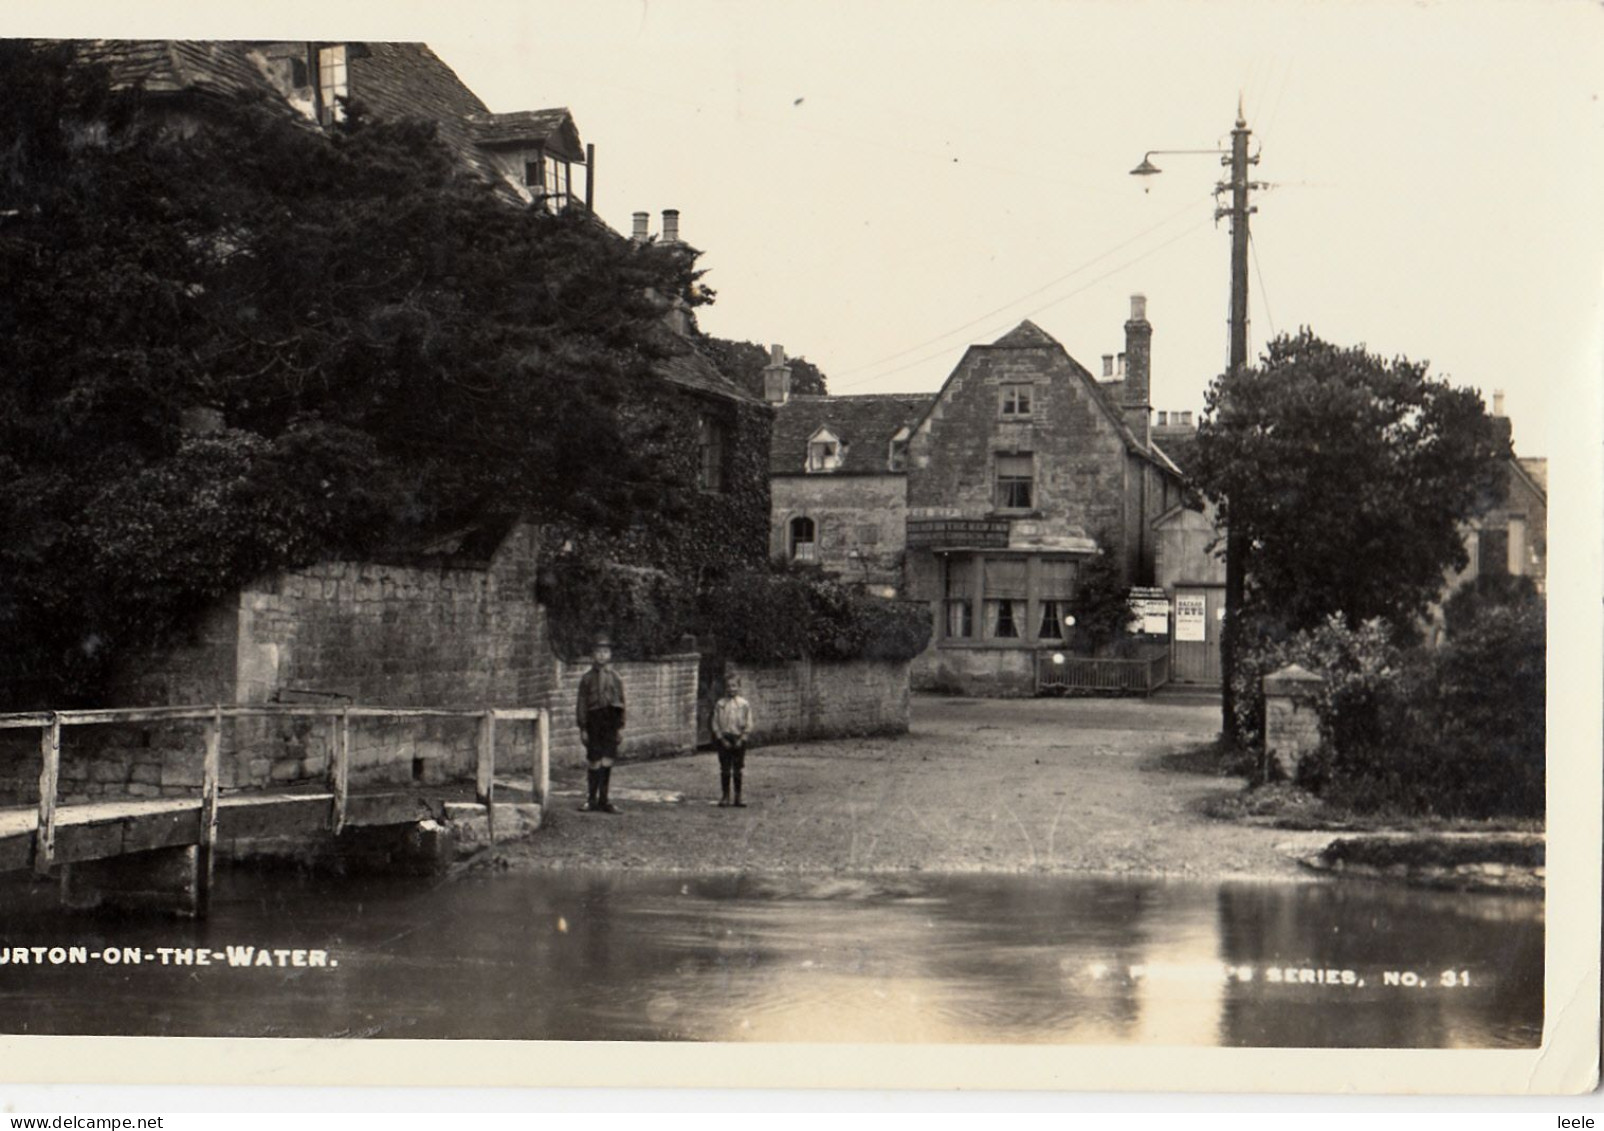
x: 978, y: 785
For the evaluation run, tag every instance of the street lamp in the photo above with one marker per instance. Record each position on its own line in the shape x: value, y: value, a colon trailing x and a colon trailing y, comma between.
x: 1237, y: 160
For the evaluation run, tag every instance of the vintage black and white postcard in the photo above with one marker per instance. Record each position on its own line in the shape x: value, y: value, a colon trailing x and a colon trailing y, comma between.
x: 919, y: 544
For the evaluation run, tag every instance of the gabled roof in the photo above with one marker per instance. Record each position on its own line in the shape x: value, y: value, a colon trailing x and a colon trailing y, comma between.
x: 689, y: 368
x: 1535, y: 469
x: 1028, y: 335
x: 552, y: 130
x: 864, y: 424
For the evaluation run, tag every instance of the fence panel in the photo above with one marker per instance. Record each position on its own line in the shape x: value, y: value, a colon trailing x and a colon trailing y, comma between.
x: 1144, y: 674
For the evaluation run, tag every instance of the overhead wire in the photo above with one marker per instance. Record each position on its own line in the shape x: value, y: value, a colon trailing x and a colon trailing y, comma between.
x: 956, y: 330
x: 1253, y: 247
x: 1035, y: 310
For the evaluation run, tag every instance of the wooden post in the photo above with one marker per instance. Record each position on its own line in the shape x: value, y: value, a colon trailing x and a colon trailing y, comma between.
x: 543, y: 759
x: 44, y: 837
x: 210, y: 773
x: 486, y: 777
x: 340, y: 767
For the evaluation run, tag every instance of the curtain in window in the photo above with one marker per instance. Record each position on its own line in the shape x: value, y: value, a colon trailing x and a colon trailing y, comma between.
x: 1015, y: 480
x: 1051, y: 624
x: 1005, y: 619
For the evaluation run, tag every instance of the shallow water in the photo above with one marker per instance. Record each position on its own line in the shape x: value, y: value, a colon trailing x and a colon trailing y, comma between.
x: 642, y: 956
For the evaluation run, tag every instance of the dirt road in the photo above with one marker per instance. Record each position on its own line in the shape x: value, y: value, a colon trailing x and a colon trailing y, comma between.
x: 1048, y: 785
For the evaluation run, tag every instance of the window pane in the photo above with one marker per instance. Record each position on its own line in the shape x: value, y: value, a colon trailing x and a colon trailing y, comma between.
x: 1051, y: 626
x: 960, y: 576
x: 1004, y: 619
x: 959, y: 621
x: 1005, y: 577
x: 1014, y: 494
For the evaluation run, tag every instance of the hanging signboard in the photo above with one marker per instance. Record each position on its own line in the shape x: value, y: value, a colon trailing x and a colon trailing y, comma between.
x: 1190, y: 612
x: 1152, y: 610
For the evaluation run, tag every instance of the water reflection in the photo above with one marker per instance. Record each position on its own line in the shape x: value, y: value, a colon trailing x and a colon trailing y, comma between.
x: 630, y: 956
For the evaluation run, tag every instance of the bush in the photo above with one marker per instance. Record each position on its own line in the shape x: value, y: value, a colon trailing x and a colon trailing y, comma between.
x: 643, y: 610
x: 759, y: 617
x: 1357, y: 667
x: 1457, y: 731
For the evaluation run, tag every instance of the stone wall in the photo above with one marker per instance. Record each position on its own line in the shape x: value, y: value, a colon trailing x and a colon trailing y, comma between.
x: 860, y: 522
x: 998, y: 673
x: 806, y: 700
x: 1079, y: 455
x: 435, y: 635
x: 659, y: 701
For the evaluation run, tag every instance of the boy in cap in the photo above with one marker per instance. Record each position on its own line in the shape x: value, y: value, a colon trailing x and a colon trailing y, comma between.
x: 732, y: 722
x: 600, y: 715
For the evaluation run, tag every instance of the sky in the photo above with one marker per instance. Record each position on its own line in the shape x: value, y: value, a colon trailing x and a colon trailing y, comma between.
x: 877, y: 184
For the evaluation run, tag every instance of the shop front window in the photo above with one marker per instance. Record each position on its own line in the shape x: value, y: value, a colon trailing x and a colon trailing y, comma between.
x: 1007, y: 591
x: 960, y: 590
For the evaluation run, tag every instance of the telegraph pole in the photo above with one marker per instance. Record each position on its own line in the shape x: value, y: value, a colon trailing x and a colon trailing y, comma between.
x: 1235, y: 543
x: 1237, y: 160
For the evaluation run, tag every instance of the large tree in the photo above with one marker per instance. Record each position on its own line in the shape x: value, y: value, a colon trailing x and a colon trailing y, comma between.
x: 377, y: 346
x: 1347, y: 477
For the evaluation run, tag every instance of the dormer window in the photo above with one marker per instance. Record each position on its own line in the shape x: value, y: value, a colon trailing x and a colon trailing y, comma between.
x: 333, y: 83
x: 548, y: 179
x: 1016, y: 400
x: 897, y: 459
x: 824, y: 451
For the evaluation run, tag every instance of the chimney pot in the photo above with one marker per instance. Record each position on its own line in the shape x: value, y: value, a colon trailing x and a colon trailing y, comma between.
x: 1136, y: 368
x: 641, y: 220
x: 1108, y: 365
x: 671, y: 225
x: 776, y: 377
x: 1498, y: 402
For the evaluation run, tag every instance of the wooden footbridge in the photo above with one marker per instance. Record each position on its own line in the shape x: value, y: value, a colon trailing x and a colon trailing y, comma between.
x: 117, y: 837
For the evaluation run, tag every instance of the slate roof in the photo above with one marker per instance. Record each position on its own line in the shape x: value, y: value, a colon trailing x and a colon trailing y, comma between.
x: 393, y: 80
x: 689, y: 368
x: 407, y: 80
x: 171, y: 66
x: 864, y: 424
x: 552, y: 129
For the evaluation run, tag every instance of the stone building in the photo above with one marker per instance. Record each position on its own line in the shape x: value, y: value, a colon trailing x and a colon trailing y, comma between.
x: 1512, y: 536
x: 529, y: 155
x: 993, y: 493
x: 532, y: 159
x: 838, y: 483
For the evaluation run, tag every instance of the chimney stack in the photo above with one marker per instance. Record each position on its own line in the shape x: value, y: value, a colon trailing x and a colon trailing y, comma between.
x: 1498, y: 402
x: 1108, y: 367
x: 776, y: 377
x: 1138, y: 365
x: 671, y: 225
x: 641, y: 220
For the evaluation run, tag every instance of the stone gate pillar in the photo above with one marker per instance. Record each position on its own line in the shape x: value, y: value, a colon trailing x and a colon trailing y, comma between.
x: 1291, y: 723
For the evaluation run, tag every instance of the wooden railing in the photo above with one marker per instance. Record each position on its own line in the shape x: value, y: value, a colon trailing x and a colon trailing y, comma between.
x: 1144, y: 674
x: 50, y: 724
